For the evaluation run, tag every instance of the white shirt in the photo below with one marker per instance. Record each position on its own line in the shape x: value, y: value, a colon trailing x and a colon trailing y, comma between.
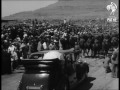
x: 11, y: 49
x: 53, y: 55
x: 15, y: 57
x: 44, y: 45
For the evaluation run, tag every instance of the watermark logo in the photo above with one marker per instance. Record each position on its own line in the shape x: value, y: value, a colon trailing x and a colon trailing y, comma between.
x: 113, y: 8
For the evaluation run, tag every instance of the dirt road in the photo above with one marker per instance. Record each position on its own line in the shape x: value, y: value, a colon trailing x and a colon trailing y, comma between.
x: 97, y: 80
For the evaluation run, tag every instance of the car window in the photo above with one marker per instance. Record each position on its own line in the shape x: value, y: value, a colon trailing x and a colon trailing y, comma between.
x: 36, y: 56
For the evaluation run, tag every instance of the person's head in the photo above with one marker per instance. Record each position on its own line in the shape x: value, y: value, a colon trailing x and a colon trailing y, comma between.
x: 5, y: 41
x: 76, y: 43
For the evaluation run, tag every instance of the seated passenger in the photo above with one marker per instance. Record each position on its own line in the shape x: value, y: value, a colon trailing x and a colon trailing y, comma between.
x: 53, y: 54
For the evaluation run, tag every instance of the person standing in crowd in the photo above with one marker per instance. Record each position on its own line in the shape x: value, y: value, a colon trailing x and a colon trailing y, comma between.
x: 6, y: 43
x: 106, y: 64
x: 39, y: 47
x: 6, y: 61
x: 25, y: 35
x: 115, y: 63
x: 29, y: 48
x: 60, y: 45
x: 24, y: 48
x: 77, y: 51
x: 65, y: 21
x: 56, y: 44
x: 15, y: 59
x: 18, y: 43
x: 44, y: 45
x: 12, y: 51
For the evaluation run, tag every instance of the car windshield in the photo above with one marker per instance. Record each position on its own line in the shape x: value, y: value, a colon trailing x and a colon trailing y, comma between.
x: 50, y: 54
x: 36, y: 56
x: 34, y: 65
x: 45, y: 60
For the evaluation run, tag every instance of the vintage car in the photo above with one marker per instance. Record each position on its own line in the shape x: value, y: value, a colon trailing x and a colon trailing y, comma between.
x: 53, y: 70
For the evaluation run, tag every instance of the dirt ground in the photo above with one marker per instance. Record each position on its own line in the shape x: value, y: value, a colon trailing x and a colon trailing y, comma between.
x: 97, y: 78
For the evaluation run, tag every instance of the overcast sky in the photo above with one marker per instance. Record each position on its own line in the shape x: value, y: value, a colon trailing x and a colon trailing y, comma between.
x: 10, y: 7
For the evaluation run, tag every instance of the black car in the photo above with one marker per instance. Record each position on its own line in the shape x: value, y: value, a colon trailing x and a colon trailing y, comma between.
x: 53, y: 74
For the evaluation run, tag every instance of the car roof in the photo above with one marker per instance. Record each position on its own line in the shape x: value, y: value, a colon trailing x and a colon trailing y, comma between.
x: 61, y: 51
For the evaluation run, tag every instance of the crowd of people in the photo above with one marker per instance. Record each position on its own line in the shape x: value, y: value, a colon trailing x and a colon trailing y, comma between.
x: 21, y: 39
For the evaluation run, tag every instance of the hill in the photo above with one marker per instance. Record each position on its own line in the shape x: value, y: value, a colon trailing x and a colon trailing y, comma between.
x: 70, y: 9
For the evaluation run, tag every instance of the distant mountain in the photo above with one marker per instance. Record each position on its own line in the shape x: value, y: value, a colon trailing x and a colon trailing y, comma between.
x: 70, y: 9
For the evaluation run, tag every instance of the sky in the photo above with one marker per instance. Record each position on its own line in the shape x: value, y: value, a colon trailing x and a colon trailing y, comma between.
x: 10, y: 7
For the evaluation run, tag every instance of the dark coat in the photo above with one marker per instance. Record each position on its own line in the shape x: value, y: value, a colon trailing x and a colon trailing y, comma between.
x: 6, y: 62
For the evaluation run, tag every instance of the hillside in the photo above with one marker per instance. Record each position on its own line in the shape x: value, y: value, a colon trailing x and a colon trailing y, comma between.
x: 70, y: 9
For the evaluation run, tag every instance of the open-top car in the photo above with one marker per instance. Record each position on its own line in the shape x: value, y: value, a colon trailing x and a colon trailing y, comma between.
x: 53, y: 70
